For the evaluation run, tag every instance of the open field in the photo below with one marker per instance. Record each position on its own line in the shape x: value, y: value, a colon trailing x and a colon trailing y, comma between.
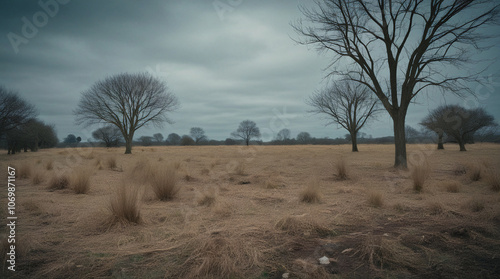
x: 258, y: 212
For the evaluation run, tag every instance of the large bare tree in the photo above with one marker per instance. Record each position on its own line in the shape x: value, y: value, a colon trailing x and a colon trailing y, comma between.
x: 399, y: 48
x: 14, y: 110
x: 347, y: 104
x: 128, y: 101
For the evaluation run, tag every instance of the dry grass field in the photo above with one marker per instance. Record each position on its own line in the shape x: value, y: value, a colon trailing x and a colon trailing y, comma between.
x: 256, y: 212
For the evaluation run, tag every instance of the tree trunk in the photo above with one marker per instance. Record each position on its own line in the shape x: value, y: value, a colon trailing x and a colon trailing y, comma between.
x: 462, y: 146
x: 400, y: 139
x: 128, y: 145
x: 440, y: 141
x: 247, y: 141
x: 354, y: 142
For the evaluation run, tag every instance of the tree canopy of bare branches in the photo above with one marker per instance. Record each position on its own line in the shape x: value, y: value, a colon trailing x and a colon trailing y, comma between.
x: 198, y: 134
x: 347, y: 104
x: 458, y: 123
x: 399, y: 48
x: 14, y: 111
x: 110, y: 134
x: 128, y: 101
x: 246, y: 131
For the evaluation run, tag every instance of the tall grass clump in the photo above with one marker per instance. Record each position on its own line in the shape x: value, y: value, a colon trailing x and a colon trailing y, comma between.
x: 452, y: 186
x: 493, y: 179
x: 474, y: 170
x: 80, y: 181
x: 375, y: 199
x: 124, y: 205
x: 208, y: 197
x: 24, y: 170
x: 341, y: 169
x: 49, y: 165
x: 419, y: 175
x: 58, y: 182
x: 111, y: 163
x: 37, y: 177
x: 164, y: 183
x: 311, y: 193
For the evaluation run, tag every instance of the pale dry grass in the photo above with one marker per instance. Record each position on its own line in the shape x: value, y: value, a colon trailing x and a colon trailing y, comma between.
x: 37, y: 177
x: 111, y: 163
x: 250, y: 231
x: 24, y: 171
x: 419, y: 175
x: 375, y: 199
x: 57, y: 182
x: 311, y: 192
x: 341, y: 170
x: 452, y: 186
x: 492, y: 177
x: 474, y: 170
x: 164, y: 183
x: 124, y: 205
x: 80, y: 180
x: 49, y: 165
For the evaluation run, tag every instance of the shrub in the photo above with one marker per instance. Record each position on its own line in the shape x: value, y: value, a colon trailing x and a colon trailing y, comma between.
x: 124, y: 205
x: 164, y: 183
x: 419, y: 175
x: 58, y: 182
x: 80, y: 181
x: 375, y: 199
x: 311, y: 192
x: 341, y: 169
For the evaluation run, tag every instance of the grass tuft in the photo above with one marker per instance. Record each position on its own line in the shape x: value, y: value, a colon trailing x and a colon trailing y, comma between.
x: 37, y: 177
x: 124, y: 206
x: 452, y: 186
x: 493, y: 179
x: 476, y: 205
x: 25, y: 170
x: 311, y: 193
x: 375, y: 199
x: 341, y: 169
x: 419, y: 175
x: 208, y: 197
x: 58, y: 182
x: 111, y: 163
x: 49, y: 165
x: 80, y: 181
x: 474, y: 170
x: 164, y: 183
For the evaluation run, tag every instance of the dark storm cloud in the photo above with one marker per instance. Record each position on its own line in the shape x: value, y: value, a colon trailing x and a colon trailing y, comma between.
x: 225, y: 65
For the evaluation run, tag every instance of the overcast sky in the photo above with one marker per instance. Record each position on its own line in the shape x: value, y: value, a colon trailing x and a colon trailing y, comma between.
x: 225, y: 65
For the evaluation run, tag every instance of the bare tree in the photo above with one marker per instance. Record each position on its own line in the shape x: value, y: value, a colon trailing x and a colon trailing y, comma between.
x: 198, y: 134
x: 128, y: 101
x: 246, y: 131
x: 399, y: 48
x: 158, y: 137
x: 14, y: 111
x: 110, y: 134
x: 458, y: 123
x: 347, y: 104
x: 303, y: 137
x: 283, y: 135
x: 174, y: 139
